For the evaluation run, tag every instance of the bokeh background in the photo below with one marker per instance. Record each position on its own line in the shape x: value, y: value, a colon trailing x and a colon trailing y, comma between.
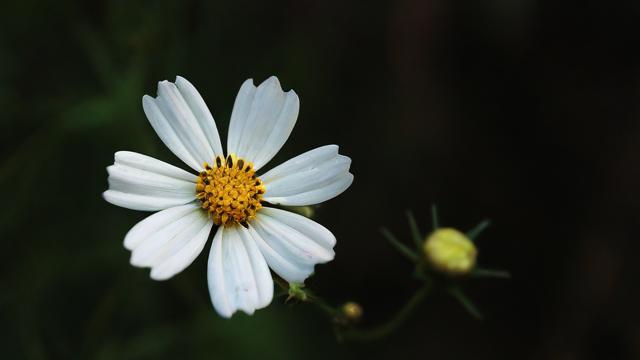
x: 525, y: 112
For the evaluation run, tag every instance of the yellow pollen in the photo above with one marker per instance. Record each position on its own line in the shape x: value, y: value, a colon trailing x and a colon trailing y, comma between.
x: 230, y: 190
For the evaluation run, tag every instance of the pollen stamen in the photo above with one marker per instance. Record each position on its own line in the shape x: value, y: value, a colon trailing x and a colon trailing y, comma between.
x: 230, y: 191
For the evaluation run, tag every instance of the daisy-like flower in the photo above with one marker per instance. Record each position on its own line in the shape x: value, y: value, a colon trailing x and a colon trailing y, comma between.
x: 226, y: 192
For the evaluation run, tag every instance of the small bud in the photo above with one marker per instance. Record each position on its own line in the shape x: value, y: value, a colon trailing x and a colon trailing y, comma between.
x: 450, y: 251
x: 352, y: 311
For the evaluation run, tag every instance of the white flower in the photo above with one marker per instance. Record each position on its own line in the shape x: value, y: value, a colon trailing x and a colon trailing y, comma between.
x: 250, y: 238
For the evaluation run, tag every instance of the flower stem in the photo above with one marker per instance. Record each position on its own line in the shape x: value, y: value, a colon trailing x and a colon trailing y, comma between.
x: 368, y: 334
x: 310, y: 297
x: 391, y: 325
x: 281, y: 282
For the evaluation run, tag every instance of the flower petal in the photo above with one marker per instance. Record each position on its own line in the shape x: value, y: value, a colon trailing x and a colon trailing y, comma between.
x: 290, y: 243
x: 167, y: 134
x: 310, y: 178
x: 140, y: 182
x: 287, y: 267
x: 169, y: 241
x: 201, y: 113
x: 239, y: 115
x: 238, y: 275
x: 144, y: 162
x: 156, y: 222
x: 331, y: 190
x: 301, y: 162
x: 183, y: 122
x: 262, y: 120
x: 140, y: 202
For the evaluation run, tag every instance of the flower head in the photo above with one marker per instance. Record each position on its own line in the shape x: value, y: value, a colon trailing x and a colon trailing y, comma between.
x: 230, y: 190
x: 226, y: 191
x: 450, y: 251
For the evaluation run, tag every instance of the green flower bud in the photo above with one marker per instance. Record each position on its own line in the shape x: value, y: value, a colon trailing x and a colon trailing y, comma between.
x: 352, y: 311
x: 451, y: 252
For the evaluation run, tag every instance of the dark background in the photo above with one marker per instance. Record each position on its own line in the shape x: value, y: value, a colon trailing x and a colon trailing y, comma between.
x: 525, y: 112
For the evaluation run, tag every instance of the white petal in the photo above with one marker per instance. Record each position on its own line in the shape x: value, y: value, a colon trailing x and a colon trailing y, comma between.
x: 140, y: 202
x: 160, y: 245
x: 169, y: 240
x: 128, y: 179
x: 239, y: 115
x: 301, y: 162
x: 261, y: 271
x: 182, y: 254
x: 338, y: 186
x: 156, y: 222
x: 141, y: 182
x: 313, y: 178
x: 166, y: 133
x: 291, y: 244
x: 262, y: 120
x: 183, y: 122
x: 144, y: 162
x: 287, y: 267
x: 201, y: 113
x: 310, y: 178
x: 238, y: 276
x: 176, y: 110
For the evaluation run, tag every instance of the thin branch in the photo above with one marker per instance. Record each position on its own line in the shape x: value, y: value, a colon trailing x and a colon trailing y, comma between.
x: 311, y: 297
x: 390, y: 326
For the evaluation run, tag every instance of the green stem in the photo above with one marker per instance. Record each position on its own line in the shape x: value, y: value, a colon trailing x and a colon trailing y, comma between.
x: 369, y: 334
x: 312, y: 298
x: 391, y: 325
x: 323, y: 305
x: 281, y: 282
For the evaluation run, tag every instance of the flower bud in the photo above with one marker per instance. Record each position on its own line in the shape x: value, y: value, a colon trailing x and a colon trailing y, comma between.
x: 450, y: 252
x: 352, y: 311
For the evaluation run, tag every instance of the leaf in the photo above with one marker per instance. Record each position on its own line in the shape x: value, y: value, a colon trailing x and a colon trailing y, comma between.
x: 473, y: 233
x: 415, y: 231
x: 404, y: 250
x: 466, y: 303
x: 489, y: 273
x: 434, y: 217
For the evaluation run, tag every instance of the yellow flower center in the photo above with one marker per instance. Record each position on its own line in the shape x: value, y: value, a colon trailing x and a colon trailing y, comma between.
x: 230, y: 190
